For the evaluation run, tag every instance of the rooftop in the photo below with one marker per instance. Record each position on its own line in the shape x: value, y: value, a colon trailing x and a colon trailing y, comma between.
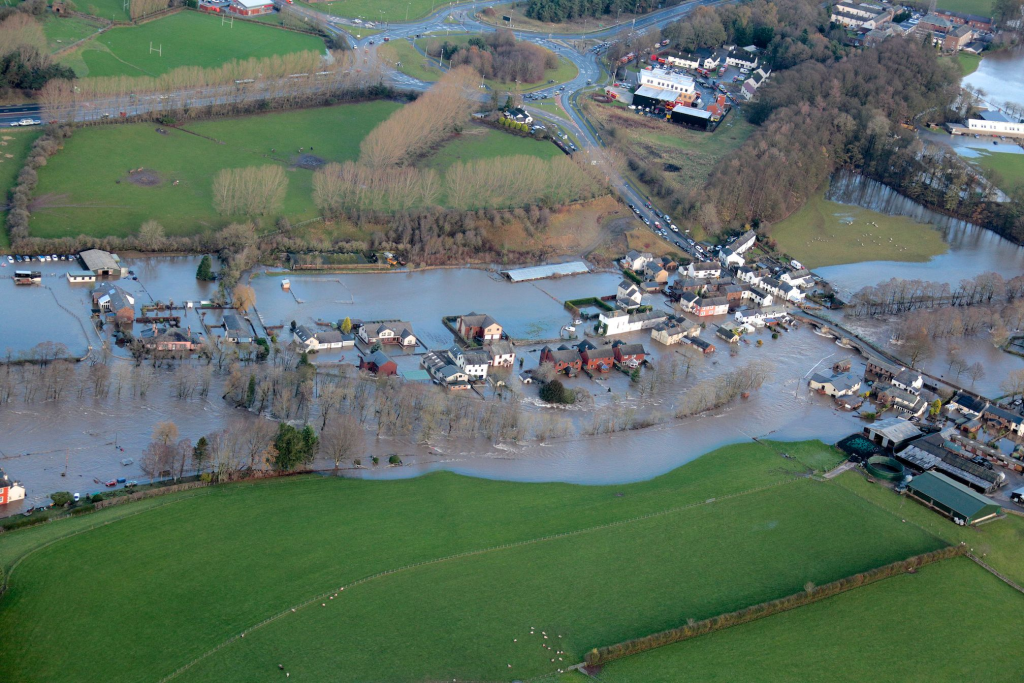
x: 951, y: 494
x: 547, y: 270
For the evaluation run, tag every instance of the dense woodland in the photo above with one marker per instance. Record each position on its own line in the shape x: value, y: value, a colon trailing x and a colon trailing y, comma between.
x: 498, y: 55
x: 566, y: 10
x: 25, y: 62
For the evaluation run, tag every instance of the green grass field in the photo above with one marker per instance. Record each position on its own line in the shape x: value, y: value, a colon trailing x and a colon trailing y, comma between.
x: 105, y: 9
x: 479, y: 142
x: 1006, y: 170
x: 952, y: 621
x: 62, y: 32
x: 566, y: 70
x: 824, y: 233
x: 184, y: 577
x: 79, y: 190
x: 412, y: 62
x: 968, y: 62
x: 185, y: 39
x: 369, y: 10
x: 980, y: 7
x: 14, y: 145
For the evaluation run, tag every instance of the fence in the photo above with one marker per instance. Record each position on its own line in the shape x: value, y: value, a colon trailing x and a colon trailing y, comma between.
x: 599, y: 656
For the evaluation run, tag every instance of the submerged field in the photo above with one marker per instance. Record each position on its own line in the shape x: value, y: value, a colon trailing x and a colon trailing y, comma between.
x: 824, y: 233
x: 86, y: 189
x: 444, y: 574
x: 184, y: 39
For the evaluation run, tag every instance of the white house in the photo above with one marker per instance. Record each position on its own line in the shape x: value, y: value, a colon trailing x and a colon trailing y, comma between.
x: 759, y: 296
x: 728, y: 257
x: 782, y: 290
x: 908, y: 380
x: 500, y: 353
x: 667, y: 80
x: 473, y: 363
x: 744, y: 242
x: 635, y: 260
x: 860, y: 15
x: 749, y: 275
x: 322, y: 340
x: 760, y: 316
x: 797, y: 278
x: 388, y: 333
x: 704, y: 270
x: 519, y: 115
x: 628, y: 295
x: 741, y: 59
x: 620, y: 322
x: 843, y: 384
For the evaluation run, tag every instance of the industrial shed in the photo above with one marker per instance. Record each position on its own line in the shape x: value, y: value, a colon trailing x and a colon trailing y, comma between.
x: 952, y: 498
x: 692, y: 117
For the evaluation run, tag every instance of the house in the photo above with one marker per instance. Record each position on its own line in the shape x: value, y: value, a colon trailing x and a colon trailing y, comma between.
x: 968, y: 405
x: 113, y: 302
x: 654, y: 272
x: 782, y: 290
x: 10, y: 490
x: 760, y: 316
x: 635, y: 260
x: 563, y: 359
x: 322, y: 340
x: 729, y: 257
x: 734, y: 294
x: 892, y: 432
x: 629, y: 354
x: 170, y: 339
x: 901, y: 400
x: 396, y: 332
x: 251, y: 8
x: 478, y: 326
x: 600, y: 359
x: 741, y: 59
x: 101, y: 263
x: 728, y: 332
x: 952, y: 499
x: 80, y: 276
x: 500, y: 353
x: 704, y: 269
x: 973, y: 20
x: 672, y: 331
x: 843, y: 384
x: 441, y: 367
x: 750, y: 275
x: 628, y: 296
x: 379, y: 364
x: 519, y: 115
x: 957, y: 37
x: 880, y: 370
x: 620, y: 322
x: 237, y: 330
x: 473, y: 363
x: 908, y: 380
x: 1003, y: 420
x: 798, y: 278
x: 704, y: 347
x: 704, y: 306
x: 691, y: 60
x: 860, y: 15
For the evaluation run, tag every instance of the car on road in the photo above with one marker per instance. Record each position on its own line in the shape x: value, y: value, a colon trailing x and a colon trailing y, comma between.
x: 647, y: 221
x: 26, y: 122
x: 674, y: 228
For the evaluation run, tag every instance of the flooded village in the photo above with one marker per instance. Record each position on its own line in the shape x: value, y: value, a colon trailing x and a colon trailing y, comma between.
x: 445, y: 368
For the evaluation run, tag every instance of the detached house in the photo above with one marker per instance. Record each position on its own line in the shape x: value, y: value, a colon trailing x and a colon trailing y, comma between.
x: 478, y: 326
x: 630, y: 355
x: 501, y: 353
x: 473, y: 363
x: 903, y: 401
x: 673, y: 331
x: 1001, y: 419
x: 378, y: 363
x: 798, y: 278
x: 318, y: 341
x: 115, y: 303
x: 170, y: 339
x: 628, y: 296
x: 399, y: 333
x: 704, y: 269
x: 908, y: 380
x: 635, y: 260
x: 236, y: 330
x: 842, y: 384
x: 562, y: 359
x: 741, y: 59
x: 519, y: 115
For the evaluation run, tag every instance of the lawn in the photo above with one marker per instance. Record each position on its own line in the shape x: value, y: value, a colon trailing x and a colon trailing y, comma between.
x: 952, y: 621
x: 14, y: 146
x: 412, y: 62
x: 824, y: 233
x: 480, y: 142
x: 185, y: 39
x: 190, y: 576
x: 566, y: 70
x: 980, y: 7
x: 1004, y: 169
x: 114, y: 10
x: 968, y: 62
x: 64, y: 31
x: 85, y: 188
x: 376, y: 11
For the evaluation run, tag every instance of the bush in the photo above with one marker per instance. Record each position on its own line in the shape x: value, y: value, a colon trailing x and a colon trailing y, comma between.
x: 96, y: 497
x: 60, y: 498
x: 395, y: 460
x: 555, y: 392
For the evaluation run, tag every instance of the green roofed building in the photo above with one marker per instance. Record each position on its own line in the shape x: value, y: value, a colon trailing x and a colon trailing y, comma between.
x: 958, y: 502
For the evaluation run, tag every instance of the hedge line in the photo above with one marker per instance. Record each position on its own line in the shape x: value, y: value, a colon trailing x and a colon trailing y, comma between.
x: 602, y: 655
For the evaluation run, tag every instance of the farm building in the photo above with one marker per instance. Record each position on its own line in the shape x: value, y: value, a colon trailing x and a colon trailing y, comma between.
x: 81, y: 276
x: 101, y: 263
x: 892, y: 432
x: 237, y: 330
x: 700, y: 119
x: 952, y: 498
x: 249, y: 8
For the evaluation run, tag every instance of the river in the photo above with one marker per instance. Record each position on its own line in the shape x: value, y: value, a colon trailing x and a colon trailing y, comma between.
x: 1001, y: 76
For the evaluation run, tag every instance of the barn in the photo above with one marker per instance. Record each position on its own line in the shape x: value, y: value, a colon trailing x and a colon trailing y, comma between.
x: 952, y: 499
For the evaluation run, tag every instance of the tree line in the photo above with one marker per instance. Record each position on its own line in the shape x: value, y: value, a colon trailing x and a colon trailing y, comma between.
x: 25, y: 62
x: 498, y: 55
x: 566, y: 10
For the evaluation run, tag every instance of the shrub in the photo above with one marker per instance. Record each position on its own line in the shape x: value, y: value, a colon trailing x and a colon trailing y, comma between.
x: 60, y: 498
x: 395, y: 460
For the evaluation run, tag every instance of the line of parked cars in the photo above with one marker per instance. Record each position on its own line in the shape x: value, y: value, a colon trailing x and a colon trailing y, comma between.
x: 27, y: 122
x: 51, y: 257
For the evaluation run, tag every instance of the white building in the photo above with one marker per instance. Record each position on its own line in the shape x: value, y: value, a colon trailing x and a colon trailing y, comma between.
x: 994, y: 123
x: 704, y: 270
x: 620, y: 322
x: 797, y: 278
x: 628, y: 296
x: 667, y: 80
x: 635, y: 260
x: 501, y: 353
x: 760, y: 316
x: 473, y: 363
x: 781, y: 290
x: 860, y: 15
x: 322, y: 340
x: 741, y: 59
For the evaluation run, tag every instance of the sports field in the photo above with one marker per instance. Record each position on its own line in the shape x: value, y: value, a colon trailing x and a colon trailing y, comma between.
x: 62, y: 32
x: 951, y: 621
x: 824, y: 233
x: 980, y: 7
x: 183, y: 39
x: 444, y: 575
x: 85, y: 189
x: 115, y: 10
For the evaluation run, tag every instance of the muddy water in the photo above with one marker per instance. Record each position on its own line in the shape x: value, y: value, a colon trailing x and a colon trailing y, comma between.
x: 1001, y: 76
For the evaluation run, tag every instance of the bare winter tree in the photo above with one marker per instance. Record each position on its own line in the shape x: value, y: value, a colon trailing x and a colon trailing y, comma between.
x: 342, y: 438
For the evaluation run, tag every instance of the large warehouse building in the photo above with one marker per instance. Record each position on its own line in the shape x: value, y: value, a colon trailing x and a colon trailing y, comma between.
x: 953, y: 499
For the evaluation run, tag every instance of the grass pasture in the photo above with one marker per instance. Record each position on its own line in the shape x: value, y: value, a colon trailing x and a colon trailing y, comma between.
x: 1006, y: 170
x: 62, y: 32
x: 968, y: 63
x: 85, y: 188
x: 824, y: 233
x: 980, y: 7
x: 14, y: 146
x: 114, y: 10
x: 185, y: 39
x: 200, y: 574
x: 912, y: 627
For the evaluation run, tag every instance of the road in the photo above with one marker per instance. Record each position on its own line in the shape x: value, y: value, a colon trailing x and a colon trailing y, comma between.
x: 444, y: 20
